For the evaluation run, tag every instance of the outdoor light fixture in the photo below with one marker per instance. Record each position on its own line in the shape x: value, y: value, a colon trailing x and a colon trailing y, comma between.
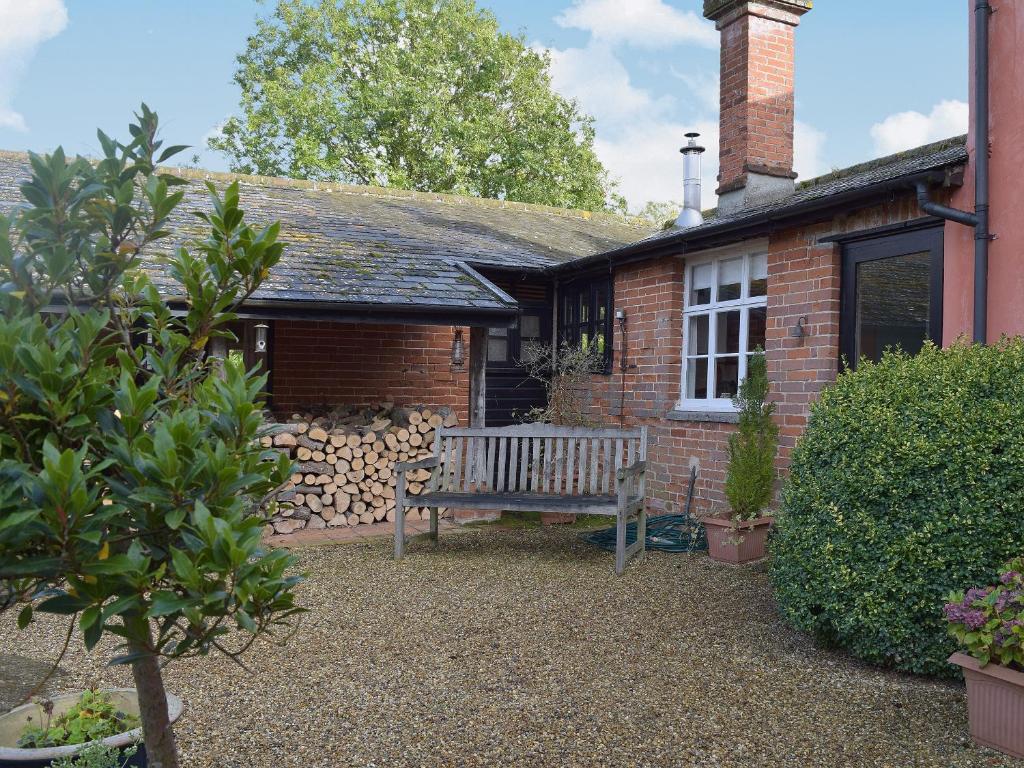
x: 219, y: 347
x: 261, y: 337
x: 458, y: 350
x: 799, y: 330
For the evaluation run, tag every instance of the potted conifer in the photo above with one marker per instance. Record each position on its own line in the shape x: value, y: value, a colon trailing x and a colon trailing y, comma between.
x: 989, y: 623
x: 741, y: 535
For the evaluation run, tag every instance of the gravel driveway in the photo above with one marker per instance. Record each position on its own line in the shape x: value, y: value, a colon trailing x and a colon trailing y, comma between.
x: 521, y: 648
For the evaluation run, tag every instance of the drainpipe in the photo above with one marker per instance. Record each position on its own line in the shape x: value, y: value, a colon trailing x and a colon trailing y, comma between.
x: 980, y: 218
x: 982, y: 238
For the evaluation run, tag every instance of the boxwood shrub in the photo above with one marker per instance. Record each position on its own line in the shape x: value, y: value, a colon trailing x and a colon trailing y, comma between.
x: 908, y: 483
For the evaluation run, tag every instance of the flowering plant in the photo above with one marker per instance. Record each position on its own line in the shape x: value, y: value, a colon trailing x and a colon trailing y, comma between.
x: 989, y: 622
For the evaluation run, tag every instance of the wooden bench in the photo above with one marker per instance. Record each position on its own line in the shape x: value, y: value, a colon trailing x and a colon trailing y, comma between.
x: 535, y: 468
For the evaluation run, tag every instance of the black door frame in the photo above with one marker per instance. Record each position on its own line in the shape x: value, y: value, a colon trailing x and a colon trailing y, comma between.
x: 929, y: 238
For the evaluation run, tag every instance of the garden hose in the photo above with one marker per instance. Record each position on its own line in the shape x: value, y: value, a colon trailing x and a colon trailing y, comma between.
x: 665, y: 533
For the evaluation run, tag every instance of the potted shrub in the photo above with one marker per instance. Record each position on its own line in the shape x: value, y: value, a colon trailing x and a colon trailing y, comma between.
x: 61, y: 728
x: 989, y: 623
x: 741, y: 535
x: 131, y: 471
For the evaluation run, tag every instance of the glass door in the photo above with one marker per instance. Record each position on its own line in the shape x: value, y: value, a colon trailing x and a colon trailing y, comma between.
x: 891, y: 294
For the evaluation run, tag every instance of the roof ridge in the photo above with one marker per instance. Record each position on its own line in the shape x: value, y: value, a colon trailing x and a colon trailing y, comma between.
x: 866, y: 165
x: 203, y: 174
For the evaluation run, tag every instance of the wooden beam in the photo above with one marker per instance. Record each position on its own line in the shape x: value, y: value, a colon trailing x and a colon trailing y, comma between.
x: 477, y: 376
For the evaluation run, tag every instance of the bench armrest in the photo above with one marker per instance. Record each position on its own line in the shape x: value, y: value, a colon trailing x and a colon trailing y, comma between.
x: 427, y: 463
x: 635, y: 469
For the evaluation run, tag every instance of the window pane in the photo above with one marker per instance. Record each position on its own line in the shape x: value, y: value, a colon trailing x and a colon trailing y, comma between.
x: 893, y: 304
x: 697, y: 378
x: 497, y: 332
x: 584, y: 305
x: 600, y: 342
x: 529, y: 327
x: 727, y: 376
x: 698, y: 341
x: 757, y: 321
x: 497, y: 350
x: 730, y: 279
x: 759, y: 275
x: 602, y: 303
x: 728, y: 332
x: 700, y: 292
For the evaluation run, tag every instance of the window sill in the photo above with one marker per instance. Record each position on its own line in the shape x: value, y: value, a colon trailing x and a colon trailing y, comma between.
x: 714, y: 417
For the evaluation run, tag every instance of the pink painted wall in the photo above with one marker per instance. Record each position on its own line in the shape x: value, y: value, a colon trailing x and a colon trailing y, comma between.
x: 1006, y: 259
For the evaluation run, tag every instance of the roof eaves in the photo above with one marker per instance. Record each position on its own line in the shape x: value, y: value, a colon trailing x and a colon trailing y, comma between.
x: 765, y: 219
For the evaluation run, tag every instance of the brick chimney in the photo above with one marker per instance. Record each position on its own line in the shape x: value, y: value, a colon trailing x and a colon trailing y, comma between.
x: 756, y: 121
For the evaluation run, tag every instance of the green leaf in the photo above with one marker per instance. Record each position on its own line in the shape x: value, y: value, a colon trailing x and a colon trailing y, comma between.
x: 63, y: 604
x: 25, y: 617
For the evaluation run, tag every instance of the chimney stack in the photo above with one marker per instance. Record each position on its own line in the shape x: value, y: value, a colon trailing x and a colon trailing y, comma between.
x: 756, y: 102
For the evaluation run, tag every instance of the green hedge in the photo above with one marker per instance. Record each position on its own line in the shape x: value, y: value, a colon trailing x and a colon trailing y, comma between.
x: 908, y: 483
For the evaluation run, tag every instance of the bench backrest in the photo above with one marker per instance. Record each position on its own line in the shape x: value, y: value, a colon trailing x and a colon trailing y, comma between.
x: 535, y: 458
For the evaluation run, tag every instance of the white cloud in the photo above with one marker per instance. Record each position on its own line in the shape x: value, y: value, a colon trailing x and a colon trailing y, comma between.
x: 704, y: 86
x: 906, y: 130
x: 647, y: 23
x: 596, y: 78
x: 24, y: 25
x: 808, y: 148
x: 646, y: 160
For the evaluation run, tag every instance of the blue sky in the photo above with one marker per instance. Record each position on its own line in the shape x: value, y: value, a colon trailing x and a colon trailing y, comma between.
x: 873, y: 76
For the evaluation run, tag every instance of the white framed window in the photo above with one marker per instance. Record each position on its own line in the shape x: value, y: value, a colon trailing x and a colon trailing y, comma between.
x: 724, y: 321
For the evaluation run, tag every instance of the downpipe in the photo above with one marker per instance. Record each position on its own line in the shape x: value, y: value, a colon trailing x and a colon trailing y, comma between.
x: 979, y: 220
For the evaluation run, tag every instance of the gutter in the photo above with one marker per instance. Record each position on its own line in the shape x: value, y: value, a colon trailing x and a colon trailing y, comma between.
x: 731, y: 231
x: 362, y: 312
x: 982, y: 132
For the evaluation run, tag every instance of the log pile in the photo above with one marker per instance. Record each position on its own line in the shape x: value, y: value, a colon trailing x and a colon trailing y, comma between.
x: 345, y: 464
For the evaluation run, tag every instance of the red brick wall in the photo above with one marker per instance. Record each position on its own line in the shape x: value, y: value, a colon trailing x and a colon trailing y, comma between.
x: 803, y: 281
x: 341, y: 363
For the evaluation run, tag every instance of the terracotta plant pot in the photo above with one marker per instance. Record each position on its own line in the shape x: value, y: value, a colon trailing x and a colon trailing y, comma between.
x: 13, y: 723
x: 995, y: 704
x: 737, y: 543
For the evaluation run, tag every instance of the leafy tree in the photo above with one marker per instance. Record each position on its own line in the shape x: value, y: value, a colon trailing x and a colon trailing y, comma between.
x: 661, y: 213
x: 416, y: 94
x: 129, y: 466
x: 750, y: 478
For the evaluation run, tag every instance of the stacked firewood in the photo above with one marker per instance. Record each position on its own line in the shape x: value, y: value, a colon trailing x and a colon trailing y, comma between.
x: 345, y: 464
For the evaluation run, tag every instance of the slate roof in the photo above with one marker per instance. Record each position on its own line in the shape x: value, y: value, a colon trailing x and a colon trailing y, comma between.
x: 864, y: 179
x: 394, y: 249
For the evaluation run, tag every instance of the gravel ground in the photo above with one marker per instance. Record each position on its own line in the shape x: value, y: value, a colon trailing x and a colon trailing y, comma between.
x: 521, y: 648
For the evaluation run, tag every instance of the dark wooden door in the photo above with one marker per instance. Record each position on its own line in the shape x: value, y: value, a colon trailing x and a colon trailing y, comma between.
x: 511, y: 393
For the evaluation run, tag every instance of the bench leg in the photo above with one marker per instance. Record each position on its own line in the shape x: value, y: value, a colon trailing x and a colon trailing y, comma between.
x: 620, y: 542
x: 400, y: 522
x: 433, y: 523
x: 641, y: 531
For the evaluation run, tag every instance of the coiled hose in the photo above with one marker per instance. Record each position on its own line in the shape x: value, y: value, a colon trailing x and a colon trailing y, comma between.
x: 665, y: 533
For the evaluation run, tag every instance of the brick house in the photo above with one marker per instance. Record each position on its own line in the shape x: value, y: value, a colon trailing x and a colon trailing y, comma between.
x: 423, y: 298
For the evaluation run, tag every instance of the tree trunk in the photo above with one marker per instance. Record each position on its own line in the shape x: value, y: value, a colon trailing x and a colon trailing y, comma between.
x: 161, y: 750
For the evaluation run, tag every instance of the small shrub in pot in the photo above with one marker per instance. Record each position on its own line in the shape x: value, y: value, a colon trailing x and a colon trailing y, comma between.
x: 750, y: 479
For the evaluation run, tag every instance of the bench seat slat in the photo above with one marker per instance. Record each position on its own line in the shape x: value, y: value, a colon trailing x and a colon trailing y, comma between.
x: 528, y: 502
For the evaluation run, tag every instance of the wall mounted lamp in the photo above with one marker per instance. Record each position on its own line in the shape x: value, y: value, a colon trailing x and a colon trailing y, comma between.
x: 261, y: 337
x: 219, y: 347
x: 799, y: 330
x: 458, y: 350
